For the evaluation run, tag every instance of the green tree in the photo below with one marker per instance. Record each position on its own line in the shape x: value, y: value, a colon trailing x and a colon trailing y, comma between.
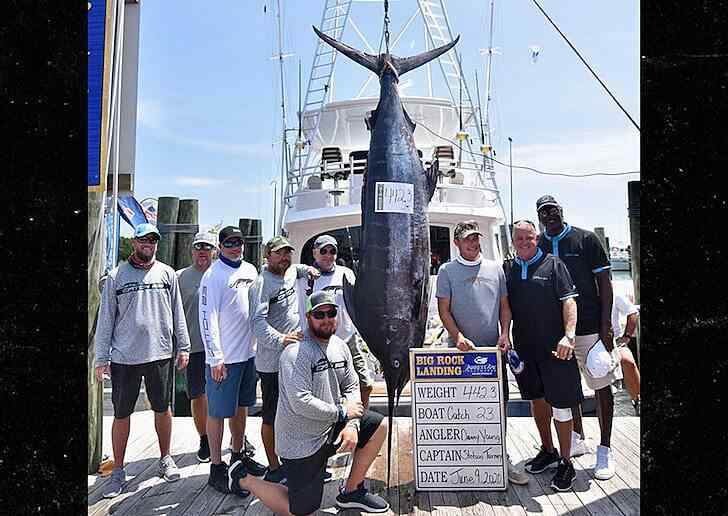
x: 125, y: 248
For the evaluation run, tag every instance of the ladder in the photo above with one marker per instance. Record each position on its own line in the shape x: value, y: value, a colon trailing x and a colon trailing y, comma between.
x: 333, y: 21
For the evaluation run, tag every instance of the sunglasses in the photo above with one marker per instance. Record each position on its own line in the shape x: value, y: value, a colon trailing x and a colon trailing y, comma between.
x: 548, y: 210
x: 203, y: 247
x: 525, y: 221
x: 148, y: 240
x: 327, y: 250
x: 232, y: 242
x: 321, y: 314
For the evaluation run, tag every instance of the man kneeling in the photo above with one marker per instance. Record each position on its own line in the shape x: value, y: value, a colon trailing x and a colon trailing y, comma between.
x: 319, y: 414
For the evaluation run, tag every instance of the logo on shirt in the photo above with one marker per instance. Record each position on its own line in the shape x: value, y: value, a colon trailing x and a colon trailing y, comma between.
x: 138, y: 287
x: 324, y: 364
x: 241, y: 282
x: 479, y: 281
x: 571, y: 255
x: 542, y: 278
x: 282, y: 295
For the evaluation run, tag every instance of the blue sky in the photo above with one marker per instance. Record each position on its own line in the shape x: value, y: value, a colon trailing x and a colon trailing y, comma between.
x: 209, y: 118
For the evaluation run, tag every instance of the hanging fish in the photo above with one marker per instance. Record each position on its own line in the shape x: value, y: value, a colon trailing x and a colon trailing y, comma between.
x: 535, y: 50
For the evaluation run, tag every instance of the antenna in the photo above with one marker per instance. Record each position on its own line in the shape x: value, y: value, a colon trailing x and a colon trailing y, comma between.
x: 284, y: 144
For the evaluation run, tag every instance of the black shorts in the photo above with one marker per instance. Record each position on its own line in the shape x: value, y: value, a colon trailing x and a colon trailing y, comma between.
x: 126, y: 381
x: 196, y: 375
x: 557, y: 381
x: 269, y: 391
x: 306, y: 475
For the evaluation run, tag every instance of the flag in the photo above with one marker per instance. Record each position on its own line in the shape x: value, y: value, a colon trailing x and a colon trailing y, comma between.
x: 149, y: 205
x: 131, y: 211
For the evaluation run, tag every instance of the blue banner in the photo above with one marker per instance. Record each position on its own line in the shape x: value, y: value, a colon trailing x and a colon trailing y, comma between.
x: 96, y: 47
x: 456, y: 365
x: 131, y: 211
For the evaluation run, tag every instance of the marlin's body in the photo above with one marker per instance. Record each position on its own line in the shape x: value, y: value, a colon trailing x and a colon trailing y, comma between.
x: 388, y: 304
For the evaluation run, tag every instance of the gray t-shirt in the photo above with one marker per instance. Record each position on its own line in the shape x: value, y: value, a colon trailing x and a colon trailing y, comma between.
x: 189, y: 286
x: 474, y: 293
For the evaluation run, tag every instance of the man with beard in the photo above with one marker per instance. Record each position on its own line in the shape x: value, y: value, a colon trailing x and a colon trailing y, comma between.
x: 325, y: 249
x: 229, y: 352
x: 319, y: 414
x: 472, y: 300
x: 203, y: 248
x: 276, y: 324
x: 589, y: 266
x: 542, y: 296
x: 141, y: 310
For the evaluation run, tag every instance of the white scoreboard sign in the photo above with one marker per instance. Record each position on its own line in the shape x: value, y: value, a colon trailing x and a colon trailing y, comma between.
x: 457, y: 417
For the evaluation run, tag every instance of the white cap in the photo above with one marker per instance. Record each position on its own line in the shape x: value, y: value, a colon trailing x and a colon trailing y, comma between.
x: 205, y: 238
x: 599, y: 361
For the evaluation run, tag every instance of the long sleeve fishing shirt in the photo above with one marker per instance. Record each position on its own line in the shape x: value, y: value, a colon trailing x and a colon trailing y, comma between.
x: 140, y: 312
x: 274, y: 305
x: 313, y: 379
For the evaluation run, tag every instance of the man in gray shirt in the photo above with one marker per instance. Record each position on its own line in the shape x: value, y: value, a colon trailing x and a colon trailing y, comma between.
x: 141, y: 310
x: 472, y: 300
x: 319, y: 414
x: 276, y: 323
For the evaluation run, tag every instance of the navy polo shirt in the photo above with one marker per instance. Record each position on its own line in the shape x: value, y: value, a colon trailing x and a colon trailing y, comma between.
x: 536, y: 291
x: 584, y: 256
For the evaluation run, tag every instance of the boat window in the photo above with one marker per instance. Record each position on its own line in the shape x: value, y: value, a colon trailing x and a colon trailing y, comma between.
x: 439, y: 247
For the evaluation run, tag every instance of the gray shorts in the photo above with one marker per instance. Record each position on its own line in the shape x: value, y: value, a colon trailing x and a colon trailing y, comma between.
x: 582, y: 345
x: 360, y: 364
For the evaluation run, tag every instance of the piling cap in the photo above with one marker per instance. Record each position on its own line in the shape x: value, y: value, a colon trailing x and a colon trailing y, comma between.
x: 325, y: 240
x: 229, y: 232
x: 546, y: 200
x: 276, y: 243
x: 146, y: 229
x: 320, y: 298
x: 465, y: 229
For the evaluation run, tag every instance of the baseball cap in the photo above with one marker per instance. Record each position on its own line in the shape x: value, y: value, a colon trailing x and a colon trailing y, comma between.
x: 599, y: 361
x: 325, y: 240
x: 228, y: 232
x: 320, y: 298
x: 146, y: 229
x: 205, y: 238
x: 546, y: 200
x: 276, y: 243
x: 466, y: 228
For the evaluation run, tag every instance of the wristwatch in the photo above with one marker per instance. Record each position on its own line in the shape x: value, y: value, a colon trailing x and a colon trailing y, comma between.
x: 571, y: 335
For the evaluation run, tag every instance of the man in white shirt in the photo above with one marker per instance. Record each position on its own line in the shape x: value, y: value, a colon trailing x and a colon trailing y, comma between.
x: 624, y: 310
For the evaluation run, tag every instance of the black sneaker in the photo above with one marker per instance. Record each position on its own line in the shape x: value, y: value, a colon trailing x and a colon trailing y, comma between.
x: 203, y: 453
x: 248, y: 447
x: 235, y: 472
x: 218, y: 478
x: 361, y: 499
x: 254, y: 468
x: 277, y: 476
x: 564, y: 477
x: 542, y: 461
x: 328, y: 476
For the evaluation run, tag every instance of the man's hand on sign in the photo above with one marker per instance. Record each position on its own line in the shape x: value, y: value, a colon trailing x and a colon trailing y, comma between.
x: 353, y: 408
x: 464, y: 344
x: 504, y: 343
x: 349, y: 437
x: 564, y: 349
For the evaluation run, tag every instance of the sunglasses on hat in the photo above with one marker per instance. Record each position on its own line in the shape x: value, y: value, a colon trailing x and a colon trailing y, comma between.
x: 327, y: 250
x: 200, y: 246
x: 321, y: 314
x: 232, y: 242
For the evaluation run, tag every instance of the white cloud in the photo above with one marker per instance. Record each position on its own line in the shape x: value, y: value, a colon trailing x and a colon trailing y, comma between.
x: 149, y: 113
x: 200, y: 182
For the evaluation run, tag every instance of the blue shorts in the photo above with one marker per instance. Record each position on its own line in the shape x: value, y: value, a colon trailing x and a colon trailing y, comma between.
x: 236, y: 390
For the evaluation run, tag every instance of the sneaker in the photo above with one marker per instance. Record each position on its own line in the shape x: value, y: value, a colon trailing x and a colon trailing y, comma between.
x: 276, y: 476
x: 237, y: 471
x: 203, y: 453
x: 604, y: 469
x: 578, y: 445
x: 361, y: 499
x: 564, y: 477
x: 254, y: 468
x: 515, y: 475
x: 542, y: 461
x: 248, y: 447
x: 168, y: 469
x: 636, y: 405
x: 218, y: 478
x: 115, y: 484
x: 328, y: 476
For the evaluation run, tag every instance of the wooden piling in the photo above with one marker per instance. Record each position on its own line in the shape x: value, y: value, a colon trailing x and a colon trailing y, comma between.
x: 167, y: 213
x: 633, y: 208
x: 188, y: 214
x: 252, y: 230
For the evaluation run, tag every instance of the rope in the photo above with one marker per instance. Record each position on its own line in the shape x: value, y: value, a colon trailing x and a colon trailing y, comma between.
x: 386, y: 25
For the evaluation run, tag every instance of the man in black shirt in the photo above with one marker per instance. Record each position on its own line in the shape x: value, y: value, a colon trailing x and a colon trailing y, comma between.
x: 542, y: 295
x: 589, y: 266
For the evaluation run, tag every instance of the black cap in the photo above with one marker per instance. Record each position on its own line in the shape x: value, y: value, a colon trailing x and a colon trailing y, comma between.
x: 228, y: 232
x: 546, y: 200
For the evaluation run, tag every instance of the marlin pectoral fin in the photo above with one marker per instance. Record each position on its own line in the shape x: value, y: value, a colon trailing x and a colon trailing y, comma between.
x: 366, y: 60
x: 405, y: 64
x: 350, y: 303
x: 432, y: 174
x: 411, y: 124
x: 417, y: 289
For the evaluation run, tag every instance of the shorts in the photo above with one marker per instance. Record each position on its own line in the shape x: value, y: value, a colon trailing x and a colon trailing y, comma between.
x: 126, y: 380
x: 306, y: 475
x: 360, y: 364
x: 582, y: 345
x: 196, y: 375
x: 236, y: 390
x: 269, y: 392
x: 555, y: 380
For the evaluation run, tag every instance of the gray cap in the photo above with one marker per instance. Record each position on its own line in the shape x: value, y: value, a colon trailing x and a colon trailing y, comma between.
x: 325, y: 240
x: 205, y: 238
x: 320, y: 298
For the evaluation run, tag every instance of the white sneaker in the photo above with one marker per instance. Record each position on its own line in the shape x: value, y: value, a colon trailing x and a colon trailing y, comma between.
x: 604, y: 468
x: 515, y: 475
x: 578, y: 445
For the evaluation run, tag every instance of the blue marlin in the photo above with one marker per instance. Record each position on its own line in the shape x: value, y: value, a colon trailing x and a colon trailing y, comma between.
x: 389, y: 302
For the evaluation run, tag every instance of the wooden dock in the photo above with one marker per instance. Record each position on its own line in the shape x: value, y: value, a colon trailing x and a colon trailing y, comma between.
x: 146, y: 494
